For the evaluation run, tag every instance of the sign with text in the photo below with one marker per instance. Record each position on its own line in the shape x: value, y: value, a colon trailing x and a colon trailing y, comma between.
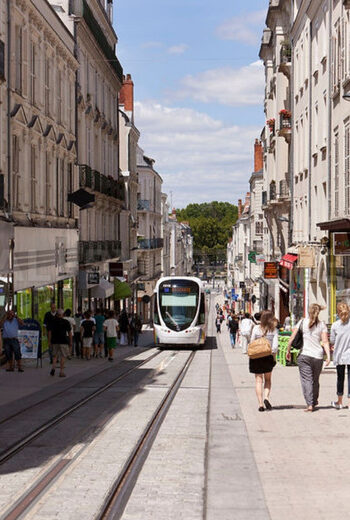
x: 306, y: 257
x: 341, y: 244
x: 270, y: 270
x: 115, y: 268
x: 93, y: 278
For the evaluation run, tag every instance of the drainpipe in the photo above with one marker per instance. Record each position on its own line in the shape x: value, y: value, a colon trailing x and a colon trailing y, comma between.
x: 9, y: 202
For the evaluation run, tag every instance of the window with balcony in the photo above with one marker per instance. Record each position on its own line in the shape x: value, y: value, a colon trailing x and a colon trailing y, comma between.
x: 33, y: 179
x: 15, y: 172
x: 19, y: 58
x: 33, y: 73
x: 47, y: 183
x: 47, y: 86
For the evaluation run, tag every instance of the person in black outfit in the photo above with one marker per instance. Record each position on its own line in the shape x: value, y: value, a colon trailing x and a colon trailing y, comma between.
x: 49, y: 316
x: 60, y: 340
x: 233, y: 329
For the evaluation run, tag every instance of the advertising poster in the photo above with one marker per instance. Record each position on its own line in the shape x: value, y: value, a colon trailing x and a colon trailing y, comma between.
x: 29, y: 343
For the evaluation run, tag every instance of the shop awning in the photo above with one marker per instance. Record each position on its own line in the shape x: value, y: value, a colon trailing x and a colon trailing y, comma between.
x: 288, y: 260
x: 121, y: 290
x: 103, y: 290
x: 340, y: 224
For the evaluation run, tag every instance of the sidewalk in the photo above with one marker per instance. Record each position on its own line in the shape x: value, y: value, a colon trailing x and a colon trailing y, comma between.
x: 302, y: 458
x: 35, y: 383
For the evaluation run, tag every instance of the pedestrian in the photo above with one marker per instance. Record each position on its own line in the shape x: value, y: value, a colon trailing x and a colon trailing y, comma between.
x: 245, y: 331
x: 111, y: 327
x: 136, y: 328
x: 10, y: 324
x: 60, y: 339
x: 310, y: 360
x: 123, y: 327
x: 71, y: 321
x: 49, y: 315
x: 340, y: 338
x: 287, y: 324
x: 233, y: 328
x: 262, y: 367
x: 87, y: 329
x: 99, y: 335
x: 78, y: 316
x: 218, y: 323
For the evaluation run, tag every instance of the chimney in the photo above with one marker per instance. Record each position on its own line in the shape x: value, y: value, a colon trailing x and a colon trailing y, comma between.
x: 258, y: 156
x: 239, y: 208
x: 126, y: 95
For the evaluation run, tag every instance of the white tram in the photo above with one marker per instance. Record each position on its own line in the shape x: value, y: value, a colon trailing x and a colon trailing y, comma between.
x: 179, y: 311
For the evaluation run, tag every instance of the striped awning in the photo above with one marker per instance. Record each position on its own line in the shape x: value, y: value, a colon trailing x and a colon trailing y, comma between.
x: 288, y: 260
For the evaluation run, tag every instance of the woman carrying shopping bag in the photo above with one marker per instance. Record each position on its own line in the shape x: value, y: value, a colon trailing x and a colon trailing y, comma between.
x: 262, y: 366
x: 310, y: 361
x: 340, y: 338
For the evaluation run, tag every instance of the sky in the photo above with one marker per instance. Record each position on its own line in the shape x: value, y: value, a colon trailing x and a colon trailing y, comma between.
x: 199, y: 88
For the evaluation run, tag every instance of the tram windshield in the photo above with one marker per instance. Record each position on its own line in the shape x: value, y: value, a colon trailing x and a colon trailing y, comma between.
x: 178, y: 303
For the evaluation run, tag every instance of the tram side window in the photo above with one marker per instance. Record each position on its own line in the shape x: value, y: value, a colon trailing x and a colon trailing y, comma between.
x: 201, y: 319
x: 155, y: 311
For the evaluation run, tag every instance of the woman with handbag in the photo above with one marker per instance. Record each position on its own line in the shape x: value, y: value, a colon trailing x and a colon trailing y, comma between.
x: 310, y: 361
x: 340, y: 338
x: 262, y: 366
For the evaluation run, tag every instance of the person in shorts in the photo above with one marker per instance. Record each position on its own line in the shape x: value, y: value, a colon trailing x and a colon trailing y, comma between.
x: 10, y: 324
x: 87, y: 329
x: 99, y: 335
x: 60, y: 341
x: 111, y: 328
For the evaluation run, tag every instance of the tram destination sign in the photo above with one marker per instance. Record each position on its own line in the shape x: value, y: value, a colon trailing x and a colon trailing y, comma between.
x: 341, y: 244
x: 270, y: 270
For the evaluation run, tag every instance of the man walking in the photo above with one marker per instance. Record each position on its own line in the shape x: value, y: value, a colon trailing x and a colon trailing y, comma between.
x: 60, y: 341
x: 49, y: 316
x: 12, y: 349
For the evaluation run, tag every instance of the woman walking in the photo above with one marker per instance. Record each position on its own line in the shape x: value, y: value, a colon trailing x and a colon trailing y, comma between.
x: 310, y: 361
x: 262, y: 367
x: 340, y: 338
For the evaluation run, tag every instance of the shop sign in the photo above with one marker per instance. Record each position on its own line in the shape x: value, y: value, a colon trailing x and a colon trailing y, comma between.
x: 306, y: 257
x: 270, y: 270
x: 260, y: 259
x: 93, y: 278
x: 341, y: 244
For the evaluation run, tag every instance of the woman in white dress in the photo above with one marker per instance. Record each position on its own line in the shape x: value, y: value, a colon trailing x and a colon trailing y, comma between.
x: 340, y: 338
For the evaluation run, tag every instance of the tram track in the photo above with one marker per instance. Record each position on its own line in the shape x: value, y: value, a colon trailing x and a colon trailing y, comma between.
x: 122, y: 486
x: 63, y: 392
x: 18, y: 445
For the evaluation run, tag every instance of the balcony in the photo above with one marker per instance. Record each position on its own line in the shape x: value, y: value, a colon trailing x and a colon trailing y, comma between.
x: 98, y: 251
x: 150, y: 243
x: 98, y: 182
x: 143, y: 205
x: 285, y: 59
x: 285, y: 129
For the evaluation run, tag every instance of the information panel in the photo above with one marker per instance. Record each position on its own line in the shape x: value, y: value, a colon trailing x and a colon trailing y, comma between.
x: 270, y: 270
x: 29, y: 343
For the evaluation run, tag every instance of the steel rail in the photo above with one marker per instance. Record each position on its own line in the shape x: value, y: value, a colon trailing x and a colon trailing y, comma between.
x: 119, y: 494
x: 18, y: 445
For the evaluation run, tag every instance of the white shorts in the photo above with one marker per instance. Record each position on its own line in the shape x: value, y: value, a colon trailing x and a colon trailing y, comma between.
x: 87, y: 342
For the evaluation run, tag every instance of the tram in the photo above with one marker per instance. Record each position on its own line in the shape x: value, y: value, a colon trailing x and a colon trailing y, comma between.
x: 179, y: 311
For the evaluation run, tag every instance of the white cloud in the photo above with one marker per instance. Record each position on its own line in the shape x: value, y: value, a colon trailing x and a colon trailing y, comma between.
x: 178, y: 49
x: 228, y: 86
x: 199, y: 158
x: 244, y: 28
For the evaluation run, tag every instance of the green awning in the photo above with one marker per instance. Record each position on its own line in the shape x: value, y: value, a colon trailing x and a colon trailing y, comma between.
x: 121, y: 290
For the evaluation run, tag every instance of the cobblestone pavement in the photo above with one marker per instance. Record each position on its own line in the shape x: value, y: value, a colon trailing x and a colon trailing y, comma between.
x: 302, y: 458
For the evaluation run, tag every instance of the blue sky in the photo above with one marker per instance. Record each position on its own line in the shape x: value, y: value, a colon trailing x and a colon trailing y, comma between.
x: 198, y: 90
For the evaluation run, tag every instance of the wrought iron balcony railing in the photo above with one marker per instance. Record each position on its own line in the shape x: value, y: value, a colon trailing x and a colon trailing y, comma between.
x: 98, y: 251
x: 96, y: 181
x: 143, y: 205
x: 150, y: 243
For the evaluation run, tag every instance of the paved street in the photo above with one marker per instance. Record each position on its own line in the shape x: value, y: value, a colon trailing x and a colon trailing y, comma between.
x: 215, y: 456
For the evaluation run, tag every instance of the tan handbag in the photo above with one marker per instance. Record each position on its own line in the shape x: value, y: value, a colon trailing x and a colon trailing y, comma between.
x: 259, y: 348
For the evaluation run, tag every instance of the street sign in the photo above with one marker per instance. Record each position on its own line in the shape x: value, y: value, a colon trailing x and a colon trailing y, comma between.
x: 270, y: 270
x: 252, y: 257
x: 93, y: 278
x: 341, y: 244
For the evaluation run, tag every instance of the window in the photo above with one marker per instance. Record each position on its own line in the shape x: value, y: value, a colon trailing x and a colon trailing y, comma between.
x: 347, y: 167
x: 259, y: 228
x: 15, y: 172
x: 59, y: 96
x: 88, y: 146
x: 336, y: 174
x: 70, y: 189
x: 19, y: 58
x: 33, y: 179
x: 47, y: 184
x: 47, y: 86
x: 32, y: 73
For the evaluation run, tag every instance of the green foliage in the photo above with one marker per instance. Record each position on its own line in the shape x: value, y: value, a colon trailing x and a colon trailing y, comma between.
x: 211, y: 225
